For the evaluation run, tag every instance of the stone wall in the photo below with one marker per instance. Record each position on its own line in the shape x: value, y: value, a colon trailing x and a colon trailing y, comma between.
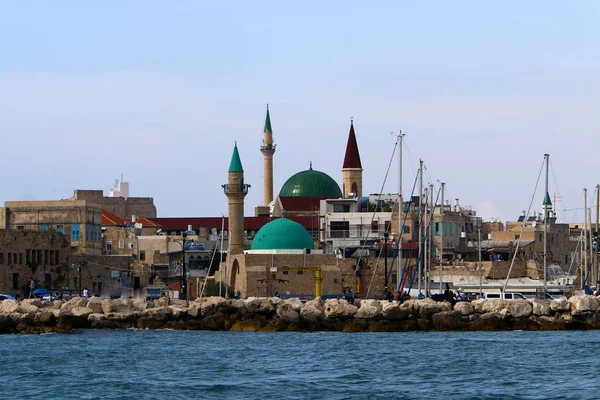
x: 97, y: 275
x: 120, y: 206
x: 45, y: 256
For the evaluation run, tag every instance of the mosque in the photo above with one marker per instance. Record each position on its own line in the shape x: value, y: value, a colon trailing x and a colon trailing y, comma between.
x: 283, y: 257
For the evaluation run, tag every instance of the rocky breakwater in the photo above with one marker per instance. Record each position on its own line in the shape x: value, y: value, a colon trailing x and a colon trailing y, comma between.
x: 275, y: 314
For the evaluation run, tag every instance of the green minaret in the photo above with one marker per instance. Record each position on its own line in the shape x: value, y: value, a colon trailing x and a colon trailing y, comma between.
x: 236, y: 190
x: 268, y: 150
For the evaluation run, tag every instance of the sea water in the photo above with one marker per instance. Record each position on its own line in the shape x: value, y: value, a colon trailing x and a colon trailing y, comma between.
x: 142, y: 364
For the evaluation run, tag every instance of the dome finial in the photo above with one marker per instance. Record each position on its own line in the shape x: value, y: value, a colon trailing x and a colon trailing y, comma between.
x: 310, y: 166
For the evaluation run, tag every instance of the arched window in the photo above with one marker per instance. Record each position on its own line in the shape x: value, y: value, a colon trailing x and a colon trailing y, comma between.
x: 355, y: 188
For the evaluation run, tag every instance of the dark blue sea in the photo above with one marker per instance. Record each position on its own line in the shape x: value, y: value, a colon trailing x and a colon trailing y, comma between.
x: 140, y: 364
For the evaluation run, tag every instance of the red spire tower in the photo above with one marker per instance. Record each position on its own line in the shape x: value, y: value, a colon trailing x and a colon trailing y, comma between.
x: 352, y: 168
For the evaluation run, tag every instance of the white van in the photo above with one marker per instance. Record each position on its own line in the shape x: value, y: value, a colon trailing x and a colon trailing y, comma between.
x: 504, y: 296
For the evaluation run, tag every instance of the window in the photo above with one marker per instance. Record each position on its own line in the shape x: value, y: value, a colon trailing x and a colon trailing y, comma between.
x: 517, y: 237
x: 375, y: 226
x: 15, y: 281
x: 341, y: 208
x: 20, y: 227
x: 20, y: 258
x: 143, y: 255
x: 60, y: 228
x: 75, y: 233
x: 9, y: 258
x: 157, y: 252
x: 121, y: 244
x: 300, y: 272
x: 388, y: 226
x: 339, y: 229
x: 130, y: 246
x: 109, y: 246
x: 56, y: 257
x: 44, y: 227
x: 1, y: 257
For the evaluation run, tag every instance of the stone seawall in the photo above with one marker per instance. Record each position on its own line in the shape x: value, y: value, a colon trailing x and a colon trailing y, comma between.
x: 275, y: 314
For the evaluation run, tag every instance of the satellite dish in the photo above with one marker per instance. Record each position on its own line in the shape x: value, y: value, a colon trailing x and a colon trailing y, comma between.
x: 533, y: 224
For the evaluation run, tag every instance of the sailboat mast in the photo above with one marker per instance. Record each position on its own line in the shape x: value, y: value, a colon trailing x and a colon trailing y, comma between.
x: 441, y: 234
x: 420, y: 260
x: 585, y: 228
x: 221, y: 254
x: 400, y: 208
x: 430, y: 239
x: 597, y: 220
x: 547, y: 156
x: 590, y: 245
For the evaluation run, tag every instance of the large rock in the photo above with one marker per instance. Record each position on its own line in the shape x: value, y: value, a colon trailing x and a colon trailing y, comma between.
x: 484, y: 306
x: 448, y: 321
x: 8, y: 306
x: 27, y: 308
x: 312, y: 310
x: 393, y: 311
x: 369, y: 309
x: 560, y: 305
x: 336, y: 308
x: 541, y: 308
x: 519, y: 308
x: 287, y: 313
x: 34, y: 302
x: 95, y: 304
x: 295, y: 302
x: 464, y: 307
x: 584, y: 303
x: 427, y: 307
x: 121, y: 305
x: 83, y: 312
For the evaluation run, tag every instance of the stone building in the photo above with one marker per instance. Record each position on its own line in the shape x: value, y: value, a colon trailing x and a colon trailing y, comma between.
x: 43, y: 255
x: 123, y: 207
x: 80, y: 220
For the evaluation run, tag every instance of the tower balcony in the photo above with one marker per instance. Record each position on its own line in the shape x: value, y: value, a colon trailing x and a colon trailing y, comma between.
x: 269, y: 148
x: 236, y: 188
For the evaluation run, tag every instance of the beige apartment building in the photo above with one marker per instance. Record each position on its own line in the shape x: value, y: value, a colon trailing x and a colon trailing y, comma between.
x: 79, y: 220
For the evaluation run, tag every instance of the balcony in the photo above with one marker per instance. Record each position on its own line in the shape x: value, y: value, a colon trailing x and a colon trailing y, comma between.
x: 235, y: 188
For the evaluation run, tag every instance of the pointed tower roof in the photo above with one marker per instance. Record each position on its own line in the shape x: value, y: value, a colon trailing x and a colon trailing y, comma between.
x: 268, y: 121
x: 352, y: 158
x: 236, y: 164
x: 547, y: 201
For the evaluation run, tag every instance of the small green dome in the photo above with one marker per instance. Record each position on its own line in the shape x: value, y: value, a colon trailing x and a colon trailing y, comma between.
x: 282, y: 234
x: 311, y: 183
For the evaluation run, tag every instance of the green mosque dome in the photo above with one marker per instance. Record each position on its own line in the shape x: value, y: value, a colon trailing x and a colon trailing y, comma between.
x: 310, y: 183
x: 282, y: 234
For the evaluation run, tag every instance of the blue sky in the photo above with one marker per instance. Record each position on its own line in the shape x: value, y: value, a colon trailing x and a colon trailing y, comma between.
x: 160, y: 92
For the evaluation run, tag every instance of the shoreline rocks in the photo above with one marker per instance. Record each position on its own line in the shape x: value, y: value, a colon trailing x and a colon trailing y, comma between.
x: 260, y: 314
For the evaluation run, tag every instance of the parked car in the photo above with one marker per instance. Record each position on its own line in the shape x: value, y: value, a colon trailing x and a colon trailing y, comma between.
x: 6, y: 297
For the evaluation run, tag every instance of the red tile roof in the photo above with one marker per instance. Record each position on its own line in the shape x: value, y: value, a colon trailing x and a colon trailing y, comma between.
x: 109, y: 218
x: 352, y: 158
